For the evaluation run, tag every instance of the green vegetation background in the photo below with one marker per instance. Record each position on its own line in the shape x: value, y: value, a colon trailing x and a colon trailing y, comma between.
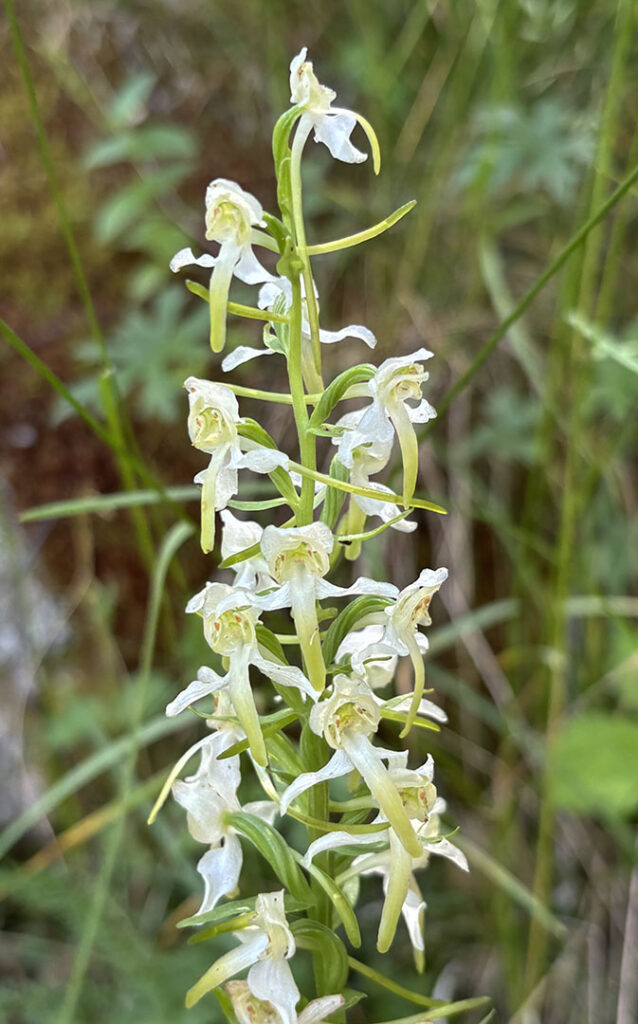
x: 512, y: 123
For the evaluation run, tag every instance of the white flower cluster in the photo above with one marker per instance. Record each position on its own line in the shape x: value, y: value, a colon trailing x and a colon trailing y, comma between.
x: 277, y: 568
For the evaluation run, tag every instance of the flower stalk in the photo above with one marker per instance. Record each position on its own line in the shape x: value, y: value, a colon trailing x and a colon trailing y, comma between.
x: 323, y: 669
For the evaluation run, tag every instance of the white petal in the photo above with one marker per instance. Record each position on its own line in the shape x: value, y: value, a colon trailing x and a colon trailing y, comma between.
x: 227, y: 966
x: 422, y: 412
x: 260, y: 460
x: 276, y: 599
x: 413, y: 911
x: 361, y: 586
x: 334, y: 130
x: 338, y: 765
x: 353, y: 331
x: 272, y: 979
x: 333, y: 840
x: 287, y: 675
x: 264, y: 809
x: 220, y: 869
x: 243, y: 354
x: 186, y: 258
x: 249, y: 269
x: 444, y: 848
x: 195, y: 691
x: 316, y: 1011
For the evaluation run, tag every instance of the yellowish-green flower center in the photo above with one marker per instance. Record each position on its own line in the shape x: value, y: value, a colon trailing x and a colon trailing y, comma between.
x: 418, y: 800
x: 229, y: 631
x: 351, y: 716
x: 405, y: 383
x: 286, y: 561
x: 227, y: 221
x: 208, y: 428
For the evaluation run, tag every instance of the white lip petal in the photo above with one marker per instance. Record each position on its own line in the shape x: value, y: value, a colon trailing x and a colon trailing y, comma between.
x: 422, y: 412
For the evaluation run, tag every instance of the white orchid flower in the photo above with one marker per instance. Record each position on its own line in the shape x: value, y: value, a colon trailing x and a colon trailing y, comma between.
x: 229, y: 628
x: 401, y: 634
x: 231, y: 214
x: 396, y: 865
x: 249, y: 1010
x: 237, y: 535
x: 367, y: 457
x: 332, y: 125
x: 276, y: 295
x: 212, y: 427
x: 265, y: 948
x: 395, y: 382
x: 208, y: 796
x: 298, y: 558
x: 347, y: 719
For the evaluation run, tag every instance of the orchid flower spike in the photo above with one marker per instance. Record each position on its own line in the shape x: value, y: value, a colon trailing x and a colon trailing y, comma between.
x: 395, y: 382
x: 212, y: 427
x: 266, y: 946
x: 249, y: 1010
x: 208, y: 796
x: 298, y: 558
x: 231, y: 215
x: 230, y: 619
x: 347, y: 719
x: 332, y: 125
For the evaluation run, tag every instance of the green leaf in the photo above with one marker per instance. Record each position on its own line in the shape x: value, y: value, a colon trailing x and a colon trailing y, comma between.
x: 328, y: 948
x: 274, y: 848
x: 346, y: 621
x: 337, y: 389
x: 107, y: 503
x: 594, y: 767
x: 270, y: 724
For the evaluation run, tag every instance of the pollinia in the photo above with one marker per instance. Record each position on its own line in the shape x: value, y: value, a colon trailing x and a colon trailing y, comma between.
x: 329, y: 672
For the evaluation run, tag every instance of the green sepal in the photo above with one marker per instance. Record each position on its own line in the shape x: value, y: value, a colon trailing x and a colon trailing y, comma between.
x: 328, y: 949
x: 252, y: 431
x: 334, y: 499
x: 346, y: 621
x: 281, y: 136
x: 273, y: 848
x: 337, y: 389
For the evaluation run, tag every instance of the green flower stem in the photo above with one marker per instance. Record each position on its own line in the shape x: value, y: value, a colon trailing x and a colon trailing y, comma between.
x: 307, y: 451
x: 298, y: 144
